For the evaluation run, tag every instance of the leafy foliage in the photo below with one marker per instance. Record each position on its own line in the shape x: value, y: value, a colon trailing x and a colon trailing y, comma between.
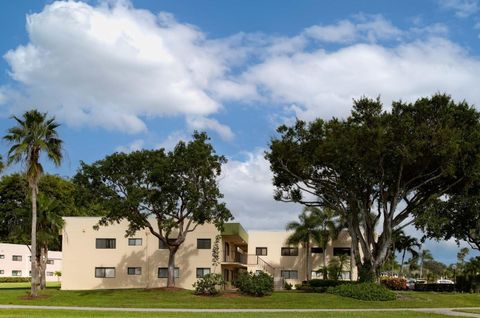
x: 209, y: 285
x: 259, y: 284
x: 363, y: 291
x: 391, y: 163
x: 394, y: 283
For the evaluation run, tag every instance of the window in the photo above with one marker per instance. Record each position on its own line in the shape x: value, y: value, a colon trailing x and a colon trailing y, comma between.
x: 227, y: 249
x: 262, y: 251
x: 204, y: 244
x: 289, y: 274
x: 105, y: 243
x: 50, y: 261
x: 17, y: 258
x: 105, y: 272
x: 317, y: 250
x: 2, y: 256
x: 134, y: 271
x: 258, y: 271
x: 49, y: 273
x: 337, y: 251
x: 135, y: 242
x: 2, y: 272
x: 345, y: 276
x: 289, y: 251
x: 16, y: 273
x: 202, y: 271
x: 164, y: 246
x: 163, y: 272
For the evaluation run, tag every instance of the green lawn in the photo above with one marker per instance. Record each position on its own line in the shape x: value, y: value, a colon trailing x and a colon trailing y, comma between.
x: 185, y: 299
x: 27, y: 285
x: 63, y: 313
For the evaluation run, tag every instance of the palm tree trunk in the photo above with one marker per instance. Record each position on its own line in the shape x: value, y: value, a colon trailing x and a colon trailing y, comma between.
x: 307, y: 259
x: 403, y: 259
x: 33, y: 290
x: 43, y: 266
x: 324, y: 262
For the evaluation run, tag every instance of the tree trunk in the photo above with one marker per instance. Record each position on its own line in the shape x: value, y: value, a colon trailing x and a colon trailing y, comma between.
x: 308, y: 273
x: 33, y: 247
x: 324, y: 270
x: 403, y: 259
x: 43, y: 267
x: 171, y: 267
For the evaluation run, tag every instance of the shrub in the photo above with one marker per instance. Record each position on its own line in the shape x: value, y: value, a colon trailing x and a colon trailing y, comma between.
x: 259, y: 284
x: 435, y: 287
x: 394, y: 283
x: 363, y: 291
x: 326, y: 283
x: 287, y: 286
x: 209, y: 285
x: 15, y: 279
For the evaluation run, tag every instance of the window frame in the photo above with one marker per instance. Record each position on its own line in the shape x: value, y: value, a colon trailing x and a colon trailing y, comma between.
x: 135, y: 240
x: 17, y: 271
x: 261, y: 248
x: 107, y: 244
x: 290, y: 249
x: 176, y: 272
x: 17, y: 258
x: 316, y: 248
x: 2, y: 256
x: 200, y: 247
x: 289, y: 271
x: 50, y: 261
x: 2, y: 272
x: 202, y: 269
x: 136, y: 270
x: 336, y: 249
x: 100, y: 268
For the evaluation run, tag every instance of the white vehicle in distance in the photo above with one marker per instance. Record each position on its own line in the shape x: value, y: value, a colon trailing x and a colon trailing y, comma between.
x: 445, y: 281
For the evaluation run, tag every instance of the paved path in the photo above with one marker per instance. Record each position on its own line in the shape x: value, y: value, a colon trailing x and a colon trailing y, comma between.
x: 443, y: 311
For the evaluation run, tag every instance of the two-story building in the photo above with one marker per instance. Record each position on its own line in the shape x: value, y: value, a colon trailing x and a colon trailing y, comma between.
x: 106, y: 259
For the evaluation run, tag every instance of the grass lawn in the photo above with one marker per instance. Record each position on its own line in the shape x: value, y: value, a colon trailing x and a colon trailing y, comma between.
x: 185, y: 299
x: 64, y: 313
x: 27, y: 285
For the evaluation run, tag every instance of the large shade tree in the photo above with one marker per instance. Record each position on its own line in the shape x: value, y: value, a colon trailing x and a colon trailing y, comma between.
x: 179, y: 189
x: 33, y: 135
x: 378, y: 168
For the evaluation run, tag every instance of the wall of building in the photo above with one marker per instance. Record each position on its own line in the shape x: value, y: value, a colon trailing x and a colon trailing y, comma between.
x: 81, y: 256
x: 8, y: 265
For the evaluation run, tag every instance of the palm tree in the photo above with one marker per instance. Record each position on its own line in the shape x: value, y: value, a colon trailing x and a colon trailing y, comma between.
x: 33, y: 135
x: 425, y: 256
x: 330, y: 228
x: 408, y: 244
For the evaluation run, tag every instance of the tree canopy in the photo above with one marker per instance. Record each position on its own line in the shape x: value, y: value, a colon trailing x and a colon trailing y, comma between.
x: 377, y: 168
x: 178, y: 189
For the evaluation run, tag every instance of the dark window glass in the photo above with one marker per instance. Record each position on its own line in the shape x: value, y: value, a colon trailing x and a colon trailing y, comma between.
x: 2, y: 256
x: 105, y: 243
x: 105, y: 272
x: 134, y: 241
x: 163, y: 272
x: 204, y: 244
x: 134, y: 271
x: 17, y: 258
x: 262, y: 251
x: 337, y: 251
x: 202, y: 271
x: 50, y: 261
x: 289, y: 274
x: 317, y: 250
x: 289, y: 251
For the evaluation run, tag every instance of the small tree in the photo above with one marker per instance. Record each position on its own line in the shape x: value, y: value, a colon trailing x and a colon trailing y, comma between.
x: 178, y: 188
x: 216, y: 252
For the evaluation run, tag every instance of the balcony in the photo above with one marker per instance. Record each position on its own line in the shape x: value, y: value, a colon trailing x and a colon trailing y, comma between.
x: 235, y: 233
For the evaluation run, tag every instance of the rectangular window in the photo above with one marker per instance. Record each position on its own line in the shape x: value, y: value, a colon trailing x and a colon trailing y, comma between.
x: 317, y: 275
x: 164, y: 246
x: 2, y: 272
x: 105, y: 243
x: 262, y: 251
x: 49, y: 273
x: 17, y: 258
x: 289, y: 251
x: 163, y: 272
x: 202, y: 271
x: 105, y: 272
x: 134, y: 271
x: 317, y: 250
x: 2, y: 256
x: 289, y: 274
x: 50, y: 261
x: 337, y: 251
x: 134, y: 242
x: 16, y: 273
x: 204, y: 244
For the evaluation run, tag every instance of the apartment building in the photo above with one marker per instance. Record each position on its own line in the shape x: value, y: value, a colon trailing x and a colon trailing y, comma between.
x: 15, y: 262
x: 106, y: 259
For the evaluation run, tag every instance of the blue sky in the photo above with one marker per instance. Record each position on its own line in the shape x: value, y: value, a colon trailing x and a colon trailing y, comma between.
x: 123, y: 75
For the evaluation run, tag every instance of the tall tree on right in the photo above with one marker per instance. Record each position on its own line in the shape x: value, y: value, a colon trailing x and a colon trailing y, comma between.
x: 34, y: 134
x: 379, y: 169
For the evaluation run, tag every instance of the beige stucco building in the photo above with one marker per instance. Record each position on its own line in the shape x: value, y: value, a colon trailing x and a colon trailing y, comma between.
x: 106, y: 259
x: 15, y: 262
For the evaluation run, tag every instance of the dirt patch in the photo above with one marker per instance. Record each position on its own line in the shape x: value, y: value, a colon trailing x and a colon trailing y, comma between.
x: 30, y: 297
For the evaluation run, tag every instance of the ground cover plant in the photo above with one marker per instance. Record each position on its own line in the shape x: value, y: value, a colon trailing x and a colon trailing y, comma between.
x: 363, y: 291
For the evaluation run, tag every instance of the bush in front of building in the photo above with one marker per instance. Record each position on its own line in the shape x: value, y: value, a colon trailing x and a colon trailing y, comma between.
x: 209, y: 285
x: 394, y: 283
x: 259, y: 284
x: 363, y: 291
x: 320, y: 285
x: 435, y: 287
x: 15, y: 279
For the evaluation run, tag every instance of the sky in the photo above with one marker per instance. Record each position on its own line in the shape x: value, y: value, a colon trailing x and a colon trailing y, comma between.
x: 127, y: 75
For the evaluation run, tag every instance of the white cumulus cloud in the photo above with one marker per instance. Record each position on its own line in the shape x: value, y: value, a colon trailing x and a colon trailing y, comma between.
x: 462, y: 8
x: 206, y: 124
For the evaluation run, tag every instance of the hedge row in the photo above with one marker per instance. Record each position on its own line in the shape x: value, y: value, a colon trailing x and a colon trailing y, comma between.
x: 363, y: 291
x: 14, y: 279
